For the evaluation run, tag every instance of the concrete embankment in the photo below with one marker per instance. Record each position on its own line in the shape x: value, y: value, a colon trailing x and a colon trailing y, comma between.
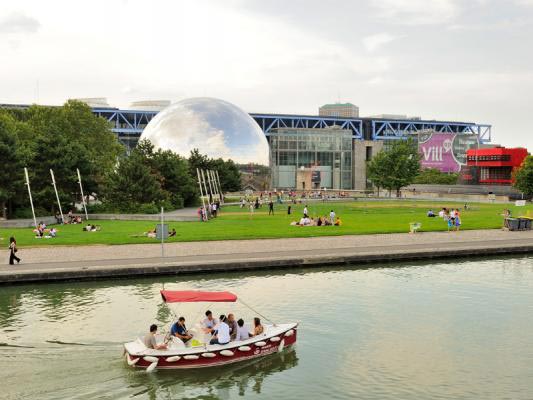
x: 98, y: 262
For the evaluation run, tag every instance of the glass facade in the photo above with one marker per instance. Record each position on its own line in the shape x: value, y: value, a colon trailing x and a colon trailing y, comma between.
x: 296, y: 153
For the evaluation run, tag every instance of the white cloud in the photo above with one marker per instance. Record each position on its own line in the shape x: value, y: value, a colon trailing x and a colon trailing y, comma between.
x: 17, y: 22
x: 373, y: 42
x: 417, y: 12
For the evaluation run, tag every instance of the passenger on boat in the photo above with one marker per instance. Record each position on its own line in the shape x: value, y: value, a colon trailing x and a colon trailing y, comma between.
x: 242, y: 332
x: 222, y: 336
x: 209, y: 322
x: 180, y: 330
x: 258, y: 328
x: 149, y: 339
x: 232, y: 326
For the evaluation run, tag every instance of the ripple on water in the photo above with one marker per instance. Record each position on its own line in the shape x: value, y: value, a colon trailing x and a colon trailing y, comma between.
x: 414, y: 330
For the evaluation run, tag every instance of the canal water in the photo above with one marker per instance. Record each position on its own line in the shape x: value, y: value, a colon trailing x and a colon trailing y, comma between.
x: 443, y: 330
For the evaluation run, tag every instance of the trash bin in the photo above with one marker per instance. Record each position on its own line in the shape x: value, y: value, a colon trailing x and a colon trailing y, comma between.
x: 512, y: 224
x: 524, y: 224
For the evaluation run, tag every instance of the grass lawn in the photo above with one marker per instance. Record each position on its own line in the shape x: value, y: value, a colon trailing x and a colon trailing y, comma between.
x: 358, y: 217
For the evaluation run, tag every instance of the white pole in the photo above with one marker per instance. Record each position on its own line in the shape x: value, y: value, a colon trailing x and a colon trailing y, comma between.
x: 201, y: 191
x: 217, y: 189
x: 210, y: 175
x: 57, y: 195
x: 209, y: 182
x: 205, y: 185
x: 31, y: 199
x: 82, y: 196
x: 220, y: 187
x: 162, y: 234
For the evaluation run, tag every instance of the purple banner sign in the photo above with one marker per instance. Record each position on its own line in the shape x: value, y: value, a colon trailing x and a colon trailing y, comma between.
x: 436, y: 150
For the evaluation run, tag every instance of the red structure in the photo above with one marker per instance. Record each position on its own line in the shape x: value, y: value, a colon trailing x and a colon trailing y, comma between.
x: 492, y: 165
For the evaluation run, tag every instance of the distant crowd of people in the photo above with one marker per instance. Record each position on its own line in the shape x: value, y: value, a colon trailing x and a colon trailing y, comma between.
x: 452, y: 217
x: 41, y: 231
x: 211, y: 210
x: 331, y: 220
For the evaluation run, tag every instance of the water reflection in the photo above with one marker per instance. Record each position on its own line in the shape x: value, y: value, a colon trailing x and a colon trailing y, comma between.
x: 414, y: 330
x: 211, y: 383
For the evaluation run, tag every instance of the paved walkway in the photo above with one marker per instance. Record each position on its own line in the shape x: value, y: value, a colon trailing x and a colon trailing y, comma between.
x: 144, y: 259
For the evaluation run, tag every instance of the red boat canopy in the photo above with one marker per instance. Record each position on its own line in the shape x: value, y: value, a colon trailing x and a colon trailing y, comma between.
x: 189, y: 296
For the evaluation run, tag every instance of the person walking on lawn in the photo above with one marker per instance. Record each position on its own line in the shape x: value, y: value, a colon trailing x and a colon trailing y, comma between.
x: 12, y: 250
x: 270, y: 207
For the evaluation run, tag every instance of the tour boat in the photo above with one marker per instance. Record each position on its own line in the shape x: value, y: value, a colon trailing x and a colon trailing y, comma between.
x: 275, y: 338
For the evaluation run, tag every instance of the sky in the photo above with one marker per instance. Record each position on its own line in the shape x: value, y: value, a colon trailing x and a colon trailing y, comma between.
x: 464, y: 60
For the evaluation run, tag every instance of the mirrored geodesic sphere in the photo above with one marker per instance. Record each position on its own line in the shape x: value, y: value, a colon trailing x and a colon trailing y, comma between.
x: 213, y: 126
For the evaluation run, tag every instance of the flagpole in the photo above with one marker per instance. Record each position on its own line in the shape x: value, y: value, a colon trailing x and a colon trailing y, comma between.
x: 57, y: 195
x: 82, y: 196
x: 200, y: 184
x: 31, y: 199
x: 220, y: 187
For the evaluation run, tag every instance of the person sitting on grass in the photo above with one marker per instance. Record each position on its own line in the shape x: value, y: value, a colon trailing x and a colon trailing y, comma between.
x: 451, y: 224
x: 53, y: 232
x: 327, y: 221
x: 151, y: 233
x: 431, y: 214
x: 172, y: 233
x: 338, y: 221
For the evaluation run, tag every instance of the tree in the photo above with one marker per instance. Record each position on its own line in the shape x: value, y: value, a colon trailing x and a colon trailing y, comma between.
x: 376, y: 170
x: 63, y: 157
x: 59, y: 138
x: 175, y: 178
x: 10, y: 162
x: 523, y: 177
x: 133, y: 184
x: 436, y: 177
x: 228, y: 171
x: 397, y: 167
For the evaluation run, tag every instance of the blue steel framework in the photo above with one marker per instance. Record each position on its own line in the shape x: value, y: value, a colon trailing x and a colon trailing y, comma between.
x: 129, y: 124
x: 267, y: 122
x: 398, y: 129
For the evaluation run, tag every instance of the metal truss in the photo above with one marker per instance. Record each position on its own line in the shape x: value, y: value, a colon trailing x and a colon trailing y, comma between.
x: 267, y: 122
x: 126, y: 122
x: 401, y: 129
x: 129, y: 124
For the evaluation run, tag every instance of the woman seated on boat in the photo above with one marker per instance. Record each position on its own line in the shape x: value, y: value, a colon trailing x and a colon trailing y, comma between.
x: 150, y: 341
x: 242, y: 332
x: 258, y: 328
x: 232, y: 326
x: 180, y: 331
x: 222, y: 336
x: 209, y: 323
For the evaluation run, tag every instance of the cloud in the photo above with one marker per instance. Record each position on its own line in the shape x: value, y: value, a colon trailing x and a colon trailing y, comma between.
x: 18, y: 22
x: 373, y: 42
x: 417, y: 12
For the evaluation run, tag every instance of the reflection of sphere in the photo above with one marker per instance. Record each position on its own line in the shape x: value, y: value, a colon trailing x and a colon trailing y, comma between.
x: 214, y: 127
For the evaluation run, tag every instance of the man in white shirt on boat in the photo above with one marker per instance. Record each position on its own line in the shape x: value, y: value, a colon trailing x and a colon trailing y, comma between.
x: 222, y: 336
x: 242, y: 331
x: 209, y: 323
